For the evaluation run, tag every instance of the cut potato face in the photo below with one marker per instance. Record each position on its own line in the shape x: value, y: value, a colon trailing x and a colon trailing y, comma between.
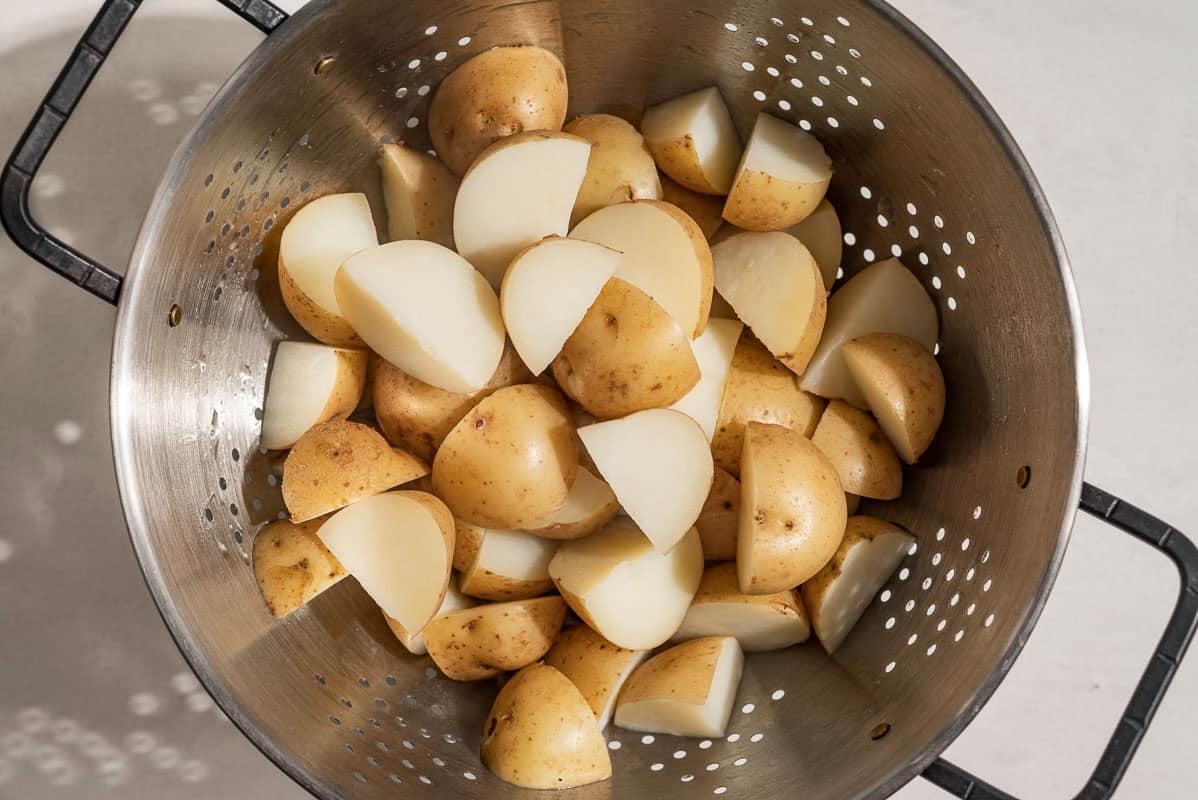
x: 782, y: 177
x: 837, y: 597
x: 541, y: 733
x: 713, y: 351
x: 413, y: 642
x: 759, y: 622
x: 622, y: 587
x: 596, y: 666
x: 626, y: 355
x: 339, y: 462
x: 589, y: 506
x: 904, y: 387
x: 759, y: 389
x: 665, y: 255
x: 720, y: 515
x: 705, y: 209
x: 547, y: 291
x: 509, y: 565
x: 687, y: 690
x: 497, y: 93
x: 774, y: 285
x: 481, y: 642
x: 511, y: 461
x: 882, y: 298
x: 292, y: 565
x: 620, y: 167
x: 316, y: 242
x: 659, y: 466
x: 862, y: 455
x: 694, y: 141
x: 519, y: 191
x: 399, y: 547
x: 419, y: 191
x: 309, y: 384
x: 821, y: 234
x: 792, y: 510
x: 427, y: 311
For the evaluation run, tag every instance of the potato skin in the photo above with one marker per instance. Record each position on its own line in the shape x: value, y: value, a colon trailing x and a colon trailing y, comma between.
x: 620, y: 166
x: 705, y: 209
x: 626, y: 355
x: 292, y: 564
x: 761, y: 202
x: 325, y: 327
x: 718, y: 520
x: 860, y: 452
x: 496, y: 93
x: 481, y: 642
x: 679, y: 159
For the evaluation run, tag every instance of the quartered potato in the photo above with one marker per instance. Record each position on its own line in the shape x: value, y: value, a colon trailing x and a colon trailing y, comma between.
x: 309, y: 384
x: 694, y: 141
x: 596, y: 666
x: 620, y: 167
x: 292, y: 565
x: 481, y: 642
x: 509, y: 565
x: 470, y: 539
x: 588, y: 507
x: 758, y: 621
x: 413, y: 641
x: 419, y: 192
x: 705, y: 209
x: 862, y: 455
x: 821, y: 234
x: 713, y: 351
x: 782, y: 177
x: 719, y: 518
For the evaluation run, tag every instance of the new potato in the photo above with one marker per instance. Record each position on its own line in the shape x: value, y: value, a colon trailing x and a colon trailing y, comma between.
x: 759, y: 622
x: 292, y: 565
x: 596, y: 666
x: 720, y: 515
x: 309, y: 384
x: 862, y: 455
x: 705, y: 209
x: 481, y: 642
x: 419, y: 192
x: 509, y: 565
x: 620, y: 167
x: 781, y: 179
x: 694, y: 141
x: 589, y: 506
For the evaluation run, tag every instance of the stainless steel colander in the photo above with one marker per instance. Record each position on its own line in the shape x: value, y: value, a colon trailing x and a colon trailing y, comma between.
x: 924, y: 170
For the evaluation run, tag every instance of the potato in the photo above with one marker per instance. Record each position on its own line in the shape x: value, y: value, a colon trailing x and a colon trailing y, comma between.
x: 413, y: 642
x: 863, y: 457
x: 520, y: 190
x: 792, y: 510
x: 426, y: 310
x: 705, y: 209
x: 837, y: 597
x: 419, y: 192
x: 821, y: 234
x: 759, y: 389
x: 399, y: 547
x: 882, y: 298
x: 547, y: 291
x: 665, y: 255
x: 417, y: 417
x: 309, y: 384
x: 758, y: 621
x: 479, y: 643
x: 659, y: 466
x: 622, y: 587
x: 782, y: 177
x: 774, y: 285
x: 596, y: 666
x: 694, y: 140
x: 314, y: 245
x: 470, y: 539
x: 338, y: 462
x: 511, y: 460
x: 904, y: 387
x: 509, y: 565
x: 720, y: 515
x: 687, y: 690
x: 626, y: 355
x: 713, y: 351
x: 496, y: 93
x: 292, y: 565
x: 588, y: 507
x: 620, y: 167
x: 541, y: 733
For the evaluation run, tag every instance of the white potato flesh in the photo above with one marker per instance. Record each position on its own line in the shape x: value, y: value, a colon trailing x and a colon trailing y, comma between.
x: 774, y: 285
x: 590, y: 504
x: 520, y: 190
x: 781, y: 179
x: 822, y: 235
x: 674, y: 706
x: 395, y: 548
x: 713, y: 350
x: 414, y: 642
x: 423, y: 308
x: 658, y: 463
x: 419, y: 192
x: 547, y: 291
x: 515, y: 554
x: 309, y: 384
x: 882, y: 298
x: 863, y: 573
x: 319, y: 239
x: 631, y: 594
x: 785, y: 152
x: 659, y: 257
x: 697, y: 130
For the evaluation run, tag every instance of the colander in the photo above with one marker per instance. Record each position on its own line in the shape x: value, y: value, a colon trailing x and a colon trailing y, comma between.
x: 924, y: 170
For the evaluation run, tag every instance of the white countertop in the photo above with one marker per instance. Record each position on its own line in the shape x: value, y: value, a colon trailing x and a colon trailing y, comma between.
x: 1100, y: 96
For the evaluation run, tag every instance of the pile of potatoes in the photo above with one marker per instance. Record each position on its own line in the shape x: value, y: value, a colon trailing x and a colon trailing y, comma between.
x: 572, y: 387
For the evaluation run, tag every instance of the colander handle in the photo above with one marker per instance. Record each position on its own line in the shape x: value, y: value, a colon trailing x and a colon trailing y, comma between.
x: 68, y: 89
x: 1156, y: 678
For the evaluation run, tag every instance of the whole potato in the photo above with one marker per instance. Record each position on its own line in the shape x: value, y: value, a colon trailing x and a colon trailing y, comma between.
x: 620, y: 167
x: 502, y: 91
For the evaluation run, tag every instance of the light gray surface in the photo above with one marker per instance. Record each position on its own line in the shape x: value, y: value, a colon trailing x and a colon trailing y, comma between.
x: 1104, y: 117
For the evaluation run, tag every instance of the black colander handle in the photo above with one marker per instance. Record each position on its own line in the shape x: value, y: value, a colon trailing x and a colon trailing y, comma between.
x: 1156, y: 678
x: 27, y: 157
